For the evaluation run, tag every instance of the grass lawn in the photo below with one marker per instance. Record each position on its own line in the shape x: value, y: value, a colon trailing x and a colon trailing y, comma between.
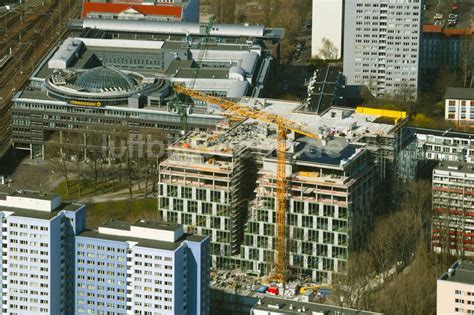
x: 87, y: 188
x: 126, y: 210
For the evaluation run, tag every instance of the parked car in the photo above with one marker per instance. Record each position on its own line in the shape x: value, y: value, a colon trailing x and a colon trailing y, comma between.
x: 453, y: 16
x: 452, y: 19
x: 438, y: 16
x: 262, y: 289
x: 273, y: 290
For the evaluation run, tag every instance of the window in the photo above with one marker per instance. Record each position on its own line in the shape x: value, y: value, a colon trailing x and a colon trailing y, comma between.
x: 313, y: 208
x: 201, y: 194
x: 328, y: 211
x: 172, y: 191
x: 216, y: 196
x: 206, y: 208
x: 298, y: 206
x: 192, y: 206
x: 187, y: 192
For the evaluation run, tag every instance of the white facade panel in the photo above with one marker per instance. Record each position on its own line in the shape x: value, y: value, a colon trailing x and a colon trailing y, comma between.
x: 327, y: 24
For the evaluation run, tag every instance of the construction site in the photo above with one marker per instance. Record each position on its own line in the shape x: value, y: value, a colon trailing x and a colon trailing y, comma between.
x: 283, y: 193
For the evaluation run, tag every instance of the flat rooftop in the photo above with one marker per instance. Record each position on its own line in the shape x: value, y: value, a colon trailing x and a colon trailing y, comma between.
x: 189, y: 73
x: 459, y: 93
x: 274, y: 306
x: 143, y: 242
x: 168, y: 59
x: 121, y: 225
x: 339, y: 127
x: 455, y: 166
x: 168, y: 27
x: 461, y: 271
x: 42, y: 215
x: 337, y: 152
x: 442, y: 133
x: 32, y: 204
x: 340, y: 121
x: 32, y: 195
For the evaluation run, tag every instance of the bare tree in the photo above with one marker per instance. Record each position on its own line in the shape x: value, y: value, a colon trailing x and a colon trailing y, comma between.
x: 241, y: 16
x: 466, y: 58
x: 57, y: 154
x: 372, y: 85
x: 224, y: 10
x: 352, y: 286
x: 94, y: 154
x: 406, y: 95
x: 413, y: 292
x: 445, y: 79
x: 328, y: 49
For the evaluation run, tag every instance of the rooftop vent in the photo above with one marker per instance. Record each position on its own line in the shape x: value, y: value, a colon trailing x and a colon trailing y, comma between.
x: 450, y: 272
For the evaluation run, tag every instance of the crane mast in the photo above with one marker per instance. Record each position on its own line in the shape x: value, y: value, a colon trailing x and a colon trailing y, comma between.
x: 281, y: 205
x: 180, y: 107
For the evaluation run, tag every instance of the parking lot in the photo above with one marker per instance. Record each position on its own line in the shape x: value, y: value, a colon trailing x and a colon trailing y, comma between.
x: 441, y: 9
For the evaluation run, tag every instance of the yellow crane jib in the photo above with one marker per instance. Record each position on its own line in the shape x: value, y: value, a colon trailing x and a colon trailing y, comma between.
x: 283, y: 126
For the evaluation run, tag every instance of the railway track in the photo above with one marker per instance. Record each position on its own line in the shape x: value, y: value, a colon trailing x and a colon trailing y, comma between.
x: 29, y: 41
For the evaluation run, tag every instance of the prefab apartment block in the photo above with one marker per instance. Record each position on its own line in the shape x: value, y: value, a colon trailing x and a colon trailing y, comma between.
x: 453, y: 208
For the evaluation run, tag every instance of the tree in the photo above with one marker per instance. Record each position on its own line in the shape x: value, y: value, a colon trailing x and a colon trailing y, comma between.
x: 352, y: 286
x: 445, y: 79
x: 241, y: 17
x: 406, y: 95
x: 267, y: 11
x: 224, y: 10
x: 466, y: 59
x: 55, y: 151
x: 372, y: 86
x: 65, y: 148
x: 415, y: 291
x: 394, y: 239
x: 94, y: 149
x: 328, y: 49
x: 416, y: 197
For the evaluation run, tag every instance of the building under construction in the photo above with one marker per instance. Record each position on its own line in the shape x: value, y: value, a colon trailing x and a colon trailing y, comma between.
x: 223, y: 184
x: 205, y: 184
x: 330, y: 210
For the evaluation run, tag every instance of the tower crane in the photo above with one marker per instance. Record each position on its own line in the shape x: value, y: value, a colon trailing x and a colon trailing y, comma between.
x: 283, y: 127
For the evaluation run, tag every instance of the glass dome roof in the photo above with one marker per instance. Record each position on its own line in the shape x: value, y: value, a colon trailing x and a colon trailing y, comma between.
x: 103, y: 79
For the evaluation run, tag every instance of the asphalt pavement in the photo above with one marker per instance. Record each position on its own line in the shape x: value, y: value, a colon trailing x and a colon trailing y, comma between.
x: 442, y: 6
